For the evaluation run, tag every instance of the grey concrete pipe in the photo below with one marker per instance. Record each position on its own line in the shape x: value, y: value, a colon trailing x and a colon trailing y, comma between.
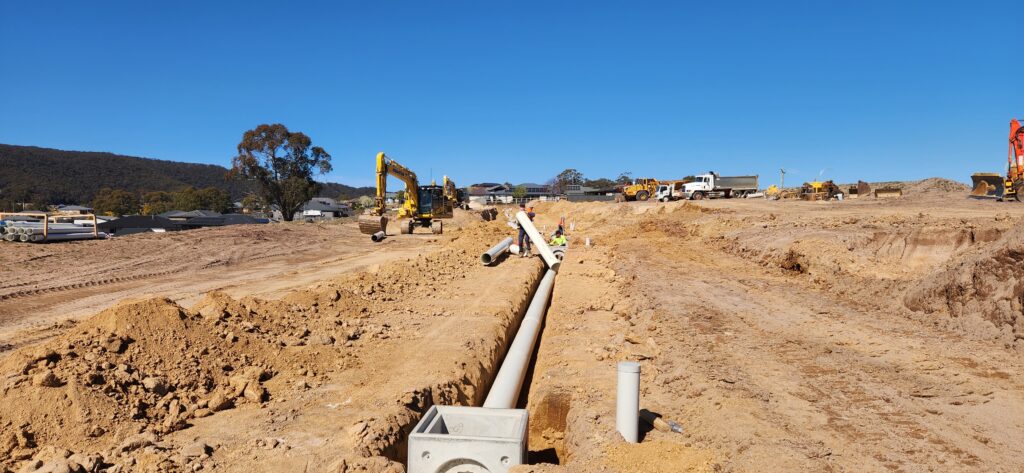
x: 378, y: 237
x: 10, y: 236
x: 538, y: 241
x: 504, y: 391
x: 492, y: 254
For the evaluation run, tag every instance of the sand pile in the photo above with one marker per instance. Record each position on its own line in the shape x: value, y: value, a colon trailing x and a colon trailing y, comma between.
x: 118, y: 381
x: 980, y: 294
x: 935, y: 184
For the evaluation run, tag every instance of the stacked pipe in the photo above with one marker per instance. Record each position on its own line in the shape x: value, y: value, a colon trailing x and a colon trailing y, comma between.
x: 36, y: 232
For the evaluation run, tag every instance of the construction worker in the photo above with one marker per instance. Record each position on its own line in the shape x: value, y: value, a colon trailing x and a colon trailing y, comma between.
x: 524, y: 239
x: 559, y: 239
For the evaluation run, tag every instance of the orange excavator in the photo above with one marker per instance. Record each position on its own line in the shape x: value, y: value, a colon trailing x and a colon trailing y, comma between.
x: 1011, y: 185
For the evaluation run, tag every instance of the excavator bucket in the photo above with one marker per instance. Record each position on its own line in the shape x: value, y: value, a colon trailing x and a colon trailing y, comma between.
x: 888, y: 192
x: 987, y: 184
x: 370, y: 224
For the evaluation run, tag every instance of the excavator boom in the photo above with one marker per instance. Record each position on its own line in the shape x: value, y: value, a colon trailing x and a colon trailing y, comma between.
x: 376, y: 221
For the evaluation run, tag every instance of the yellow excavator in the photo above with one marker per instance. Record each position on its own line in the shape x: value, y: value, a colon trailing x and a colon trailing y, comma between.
x: 456, y: 197
x: 424, y: 206
x: 459, y: 200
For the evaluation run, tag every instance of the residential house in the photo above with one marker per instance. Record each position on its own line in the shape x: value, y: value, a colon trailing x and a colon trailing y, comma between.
x: 325, y: 208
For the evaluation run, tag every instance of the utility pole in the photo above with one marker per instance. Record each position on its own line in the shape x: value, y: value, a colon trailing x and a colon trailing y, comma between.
x: 782, y: 179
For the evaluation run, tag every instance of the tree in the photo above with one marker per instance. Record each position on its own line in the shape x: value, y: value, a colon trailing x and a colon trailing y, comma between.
x: 519, y: 192
x: 155, y: 203
x: 365, y: 202
x: 567, y: 178
x: 282, y: 163
x: 212, y: 198
x: 115, y: 202
x: 625, y: 177
x: 253, y: 203
x: 600, y: 183
x: 400, y: 196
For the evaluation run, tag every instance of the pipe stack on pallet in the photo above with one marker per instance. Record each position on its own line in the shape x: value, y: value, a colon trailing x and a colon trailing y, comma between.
x: 33, y: 232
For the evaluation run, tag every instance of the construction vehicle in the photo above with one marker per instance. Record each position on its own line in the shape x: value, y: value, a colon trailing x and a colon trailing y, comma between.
x: 712, y: 185
x: 642, y: 188
x: 669, y: 190
x: 996, y: 185
x: 862, y: 189
x: 888, y: 192
x: 456, y: 197
x: 819, y: 190
x: 424, y: 206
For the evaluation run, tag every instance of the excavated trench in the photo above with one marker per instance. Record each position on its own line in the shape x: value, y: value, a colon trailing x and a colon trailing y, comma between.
x: 472, y: 387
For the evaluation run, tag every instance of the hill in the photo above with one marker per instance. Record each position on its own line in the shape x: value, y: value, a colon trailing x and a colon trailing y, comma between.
x: 45, y: 175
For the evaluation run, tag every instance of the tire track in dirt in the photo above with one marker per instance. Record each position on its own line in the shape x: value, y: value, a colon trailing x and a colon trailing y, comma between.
x: 848, y: 388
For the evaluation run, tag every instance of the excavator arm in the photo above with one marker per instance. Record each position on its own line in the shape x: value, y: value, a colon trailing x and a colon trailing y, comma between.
x: 1015, y: 155
x: 389, y: 167
x: 375, y: 221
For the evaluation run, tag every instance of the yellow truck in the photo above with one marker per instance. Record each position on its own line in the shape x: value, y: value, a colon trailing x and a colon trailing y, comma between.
x: 642, y: 188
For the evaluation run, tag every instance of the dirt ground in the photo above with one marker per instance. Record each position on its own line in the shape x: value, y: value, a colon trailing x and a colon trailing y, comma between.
x: 864, y: 335
x: 45, y: 286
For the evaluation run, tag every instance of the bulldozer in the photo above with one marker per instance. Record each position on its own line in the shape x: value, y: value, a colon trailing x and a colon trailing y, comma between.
x: 819, y: 190
x: 862, y: 189
x: 996, y: 185
x: 424, y: 206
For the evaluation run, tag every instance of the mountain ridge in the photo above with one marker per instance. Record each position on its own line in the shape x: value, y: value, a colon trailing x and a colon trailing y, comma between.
x: 54, y: 176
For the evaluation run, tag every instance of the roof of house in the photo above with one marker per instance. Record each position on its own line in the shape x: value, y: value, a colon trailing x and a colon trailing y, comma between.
x: 74, y: 208
x: 325, y: 204
x: 229, y: 219
x: 136, y: 221
x: 190, y: 214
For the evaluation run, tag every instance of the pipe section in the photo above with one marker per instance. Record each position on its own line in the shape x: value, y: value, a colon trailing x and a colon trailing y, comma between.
x: 504, y: 391
x: 378, y: 237
x: 538, y: 241
x: 492, y: 254
x: 627, y: 401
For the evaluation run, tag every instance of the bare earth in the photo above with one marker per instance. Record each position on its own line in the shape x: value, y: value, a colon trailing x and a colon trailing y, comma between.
x: 864, y: 335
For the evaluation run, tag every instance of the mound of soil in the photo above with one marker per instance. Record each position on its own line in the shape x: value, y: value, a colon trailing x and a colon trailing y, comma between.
x: 981, y: 294
x: 936, y: 184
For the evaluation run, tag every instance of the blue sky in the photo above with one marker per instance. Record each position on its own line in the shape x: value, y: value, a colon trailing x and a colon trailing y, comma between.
x: 517, y: 91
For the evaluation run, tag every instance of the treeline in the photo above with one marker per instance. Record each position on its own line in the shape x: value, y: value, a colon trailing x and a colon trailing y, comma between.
x: 118, y: 202
x: 44, y: 176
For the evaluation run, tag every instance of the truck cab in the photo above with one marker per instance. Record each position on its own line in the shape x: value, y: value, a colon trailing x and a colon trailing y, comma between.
x: 703, y: 185
x: 668, y: 191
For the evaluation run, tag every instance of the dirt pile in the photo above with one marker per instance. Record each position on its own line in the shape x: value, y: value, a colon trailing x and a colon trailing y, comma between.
x: 935, y: 184
x: 981, y: 294
x: 118, y: 381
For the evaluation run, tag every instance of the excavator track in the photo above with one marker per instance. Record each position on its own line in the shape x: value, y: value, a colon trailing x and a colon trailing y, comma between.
x: 370, y: 224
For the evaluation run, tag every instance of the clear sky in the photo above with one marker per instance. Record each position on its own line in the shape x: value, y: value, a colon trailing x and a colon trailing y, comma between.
x: 517, y: 91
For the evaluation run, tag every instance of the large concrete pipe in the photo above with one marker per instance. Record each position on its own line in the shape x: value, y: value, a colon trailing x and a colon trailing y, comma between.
x: 504, y: 392
x: 627, y: 401
x: 538, y: 241
x: 492, y: 254
x: 378, y: 237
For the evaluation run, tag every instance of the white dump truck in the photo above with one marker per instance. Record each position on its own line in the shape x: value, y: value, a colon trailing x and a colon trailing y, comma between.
x: 667, y: 191
x: 712, y: 186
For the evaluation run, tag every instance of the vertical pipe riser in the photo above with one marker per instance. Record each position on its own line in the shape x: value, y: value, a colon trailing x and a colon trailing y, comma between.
x: 627, y: 401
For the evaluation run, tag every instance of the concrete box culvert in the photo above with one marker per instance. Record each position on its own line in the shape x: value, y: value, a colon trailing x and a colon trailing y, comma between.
x: 454, y: 439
